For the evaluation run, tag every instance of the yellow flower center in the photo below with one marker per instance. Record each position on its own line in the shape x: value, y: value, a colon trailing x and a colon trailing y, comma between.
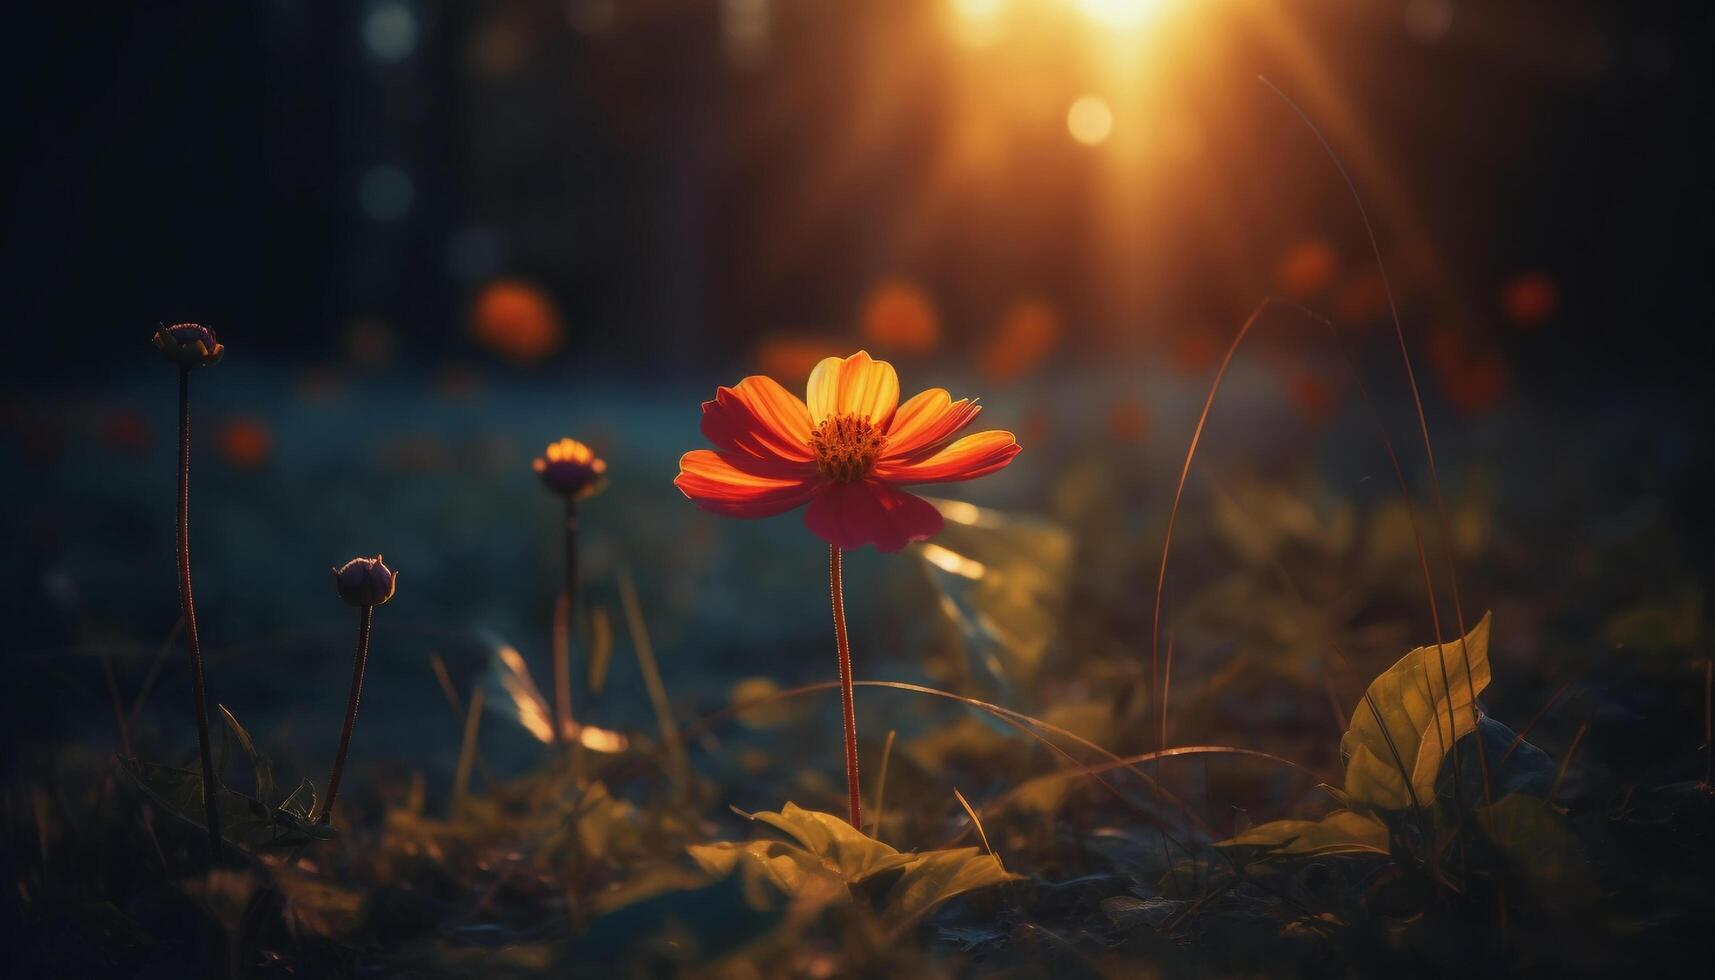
x: 846, y: 447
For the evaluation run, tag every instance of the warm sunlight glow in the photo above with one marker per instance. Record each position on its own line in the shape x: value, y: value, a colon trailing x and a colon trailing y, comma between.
x: 1090, y: 121
x: 1121, y: 14
x: 978, y: 22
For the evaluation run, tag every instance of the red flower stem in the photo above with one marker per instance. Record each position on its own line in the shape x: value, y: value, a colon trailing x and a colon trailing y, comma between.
x: 365, y: 620
x: 837, y: 590
x: 188, y: 605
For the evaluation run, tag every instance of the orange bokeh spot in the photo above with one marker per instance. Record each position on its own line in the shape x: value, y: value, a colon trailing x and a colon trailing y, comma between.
x: 790, y: 359
x: 1029, y: 332
x: 1128, y: 421
x: 1306, y: 269
x: 1473, y: 381
x: 126, y: 432
x: 516, y: 320
x: 244, y: 443
x: 1314, y: 398
x: 1361, y: 298
x: 1530, y: 300
x: 900, y: 317
x: 1194, y: 354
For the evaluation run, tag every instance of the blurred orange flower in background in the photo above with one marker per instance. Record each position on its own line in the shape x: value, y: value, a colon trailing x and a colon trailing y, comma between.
x: 1194, y: 353
x: 1473, y: 381
x: 1306, y: 269
x: 1530, y: 300
x: 1128, y: 421
x: 1361, y: 298
x: 900, y: 317
x: 516, y: 320
x: 244, y: 443
x: 1029, y: 332
x: 844, y: 450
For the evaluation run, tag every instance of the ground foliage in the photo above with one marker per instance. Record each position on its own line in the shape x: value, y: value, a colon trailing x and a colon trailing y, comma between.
x: 1396, y: 825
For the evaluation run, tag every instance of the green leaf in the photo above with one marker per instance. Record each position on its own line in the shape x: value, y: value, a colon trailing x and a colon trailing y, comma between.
x: 1340, y: 832
x: 846, y: 851
x: 244, y: 820
x: 931, y: 879
x: 1408, y: 720
x: 259, y: 763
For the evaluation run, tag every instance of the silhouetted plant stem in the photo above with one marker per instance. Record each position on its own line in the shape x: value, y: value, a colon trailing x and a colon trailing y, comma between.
x: 836, y: 589
x: 192, y: 640
x: 563, y: 627
x: 365, y: 619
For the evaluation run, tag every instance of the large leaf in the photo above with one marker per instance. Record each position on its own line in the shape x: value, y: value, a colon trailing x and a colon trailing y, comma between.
x: 244, y: 820
x: 933, y: 878
x: 1340, y: 832
x: 843, y: 849
x: 834, y: 858
x: 1408, y: 720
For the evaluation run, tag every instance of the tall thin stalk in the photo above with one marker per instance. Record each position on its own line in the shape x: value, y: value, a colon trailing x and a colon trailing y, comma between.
x: 365, y: 619
x: 563, y: 630
x: 836, y: 590
x: 188, y: 606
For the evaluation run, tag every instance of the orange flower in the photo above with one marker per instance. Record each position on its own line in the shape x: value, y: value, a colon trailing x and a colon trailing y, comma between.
x: 845, y: 453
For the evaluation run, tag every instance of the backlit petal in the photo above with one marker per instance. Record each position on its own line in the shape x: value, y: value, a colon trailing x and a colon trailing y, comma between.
x: 926, y: 420
x: 975, y: 455
x: 851, y: 515
x: 719, y: 482
x: 855, y: 385
x: 759, y: 418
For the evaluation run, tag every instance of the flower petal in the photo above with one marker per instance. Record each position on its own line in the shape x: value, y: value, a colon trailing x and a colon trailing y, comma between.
x: 855, y: 385
x: 975, y: 455
x: 851, y: 515
x: 719, y: 482
x: 759, y: 418
x: 928, y: 419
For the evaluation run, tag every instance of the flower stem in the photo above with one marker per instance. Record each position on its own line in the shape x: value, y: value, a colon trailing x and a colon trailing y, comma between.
x: 365, y: 619
x: 563, y: 631
x: 188, y: 605
x: 836, y: 589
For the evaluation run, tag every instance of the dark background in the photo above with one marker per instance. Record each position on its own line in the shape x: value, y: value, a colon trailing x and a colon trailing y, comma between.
x: 171, y: 161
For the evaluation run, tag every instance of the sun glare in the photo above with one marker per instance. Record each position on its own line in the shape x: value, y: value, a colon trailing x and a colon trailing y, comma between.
x: 1121, y: 14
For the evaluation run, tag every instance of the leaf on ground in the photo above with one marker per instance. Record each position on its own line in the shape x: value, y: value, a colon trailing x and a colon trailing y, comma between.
x: 1340, y: 832
x: 1403, y: 726
x: 244, y: 820
x: 851, y: 854
x: 933, y: 878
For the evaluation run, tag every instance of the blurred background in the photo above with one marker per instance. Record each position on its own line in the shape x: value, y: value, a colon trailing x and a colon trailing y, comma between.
x: 435, y: 235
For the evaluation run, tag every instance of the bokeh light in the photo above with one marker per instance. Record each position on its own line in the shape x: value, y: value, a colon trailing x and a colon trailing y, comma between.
x: 900, y: 317
x: 1090, y: 120
x: 516, y: 320
x: 390, y: 31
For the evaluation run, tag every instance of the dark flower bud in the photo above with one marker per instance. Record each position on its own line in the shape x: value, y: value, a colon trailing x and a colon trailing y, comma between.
x: 571, y: 469
x: 365, y: 581
x: 190, y: 344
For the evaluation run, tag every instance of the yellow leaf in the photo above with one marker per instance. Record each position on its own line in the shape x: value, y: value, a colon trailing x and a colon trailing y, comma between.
x: 1340, y: 832
x: 932, y: 878
x: 1409, y: 719
x: 849, y: 853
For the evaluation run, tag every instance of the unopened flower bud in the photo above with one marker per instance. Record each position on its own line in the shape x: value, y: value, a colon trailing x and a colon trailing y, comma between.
x: 571, y: 469
x: 365, y: 581
x: 190, y: 344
